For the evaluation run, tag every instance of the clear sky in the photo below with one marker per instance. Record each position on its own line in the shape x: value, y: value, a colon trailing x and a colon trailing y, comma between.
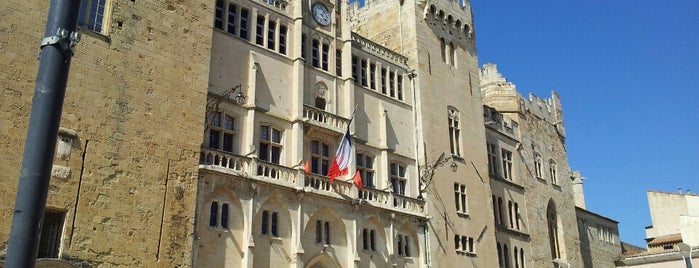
x: 628, y: 75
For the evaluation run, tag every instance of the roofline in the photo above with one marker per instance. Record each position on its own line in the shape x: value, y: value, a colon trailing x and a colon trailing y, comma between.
x: 595, y: 214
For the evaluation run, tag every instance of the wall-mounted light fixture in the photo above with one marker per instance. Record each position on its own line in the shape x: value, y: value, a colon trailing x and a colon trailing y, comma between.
x: 239, y: 98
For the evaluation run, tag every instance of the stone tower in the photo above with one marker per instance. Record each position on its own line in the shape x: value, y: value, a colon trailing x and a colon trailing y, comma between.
x: 534, y: 195
x: 123, y: 187
x: 438, y: 39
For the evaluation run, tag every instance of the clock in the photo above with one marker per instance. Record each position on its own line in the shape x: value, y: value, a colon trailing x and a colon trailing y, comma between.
x: 321, y: 14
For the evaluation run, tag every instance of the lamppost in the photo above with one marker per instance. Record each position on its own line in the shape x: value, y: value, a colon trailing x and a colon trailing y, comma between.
x: 686, y: 252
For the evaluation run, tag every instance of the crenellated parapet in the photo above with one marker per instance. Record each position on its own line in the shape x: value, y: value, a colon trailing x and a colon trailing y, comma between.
x: 502, y: 95
x: 378, y: 50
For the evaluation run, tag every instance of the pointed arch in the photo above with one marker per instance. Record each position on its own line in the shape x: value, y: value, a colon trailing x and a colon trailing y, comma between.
x: 271, y: 230
x: 323, y: 260
x: 325, y: 232
x: 553, y: 229
x: 221, y: 228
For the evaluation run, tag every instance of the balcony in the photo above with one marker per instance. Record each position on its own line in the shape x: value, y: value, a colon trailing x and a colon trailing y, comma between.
x: 321, y: 118
x: 251, y: 168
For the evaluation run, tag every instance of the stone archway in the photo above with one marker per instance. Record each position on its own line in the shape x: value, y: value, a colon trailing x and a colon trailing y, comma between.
x: 323, y: 260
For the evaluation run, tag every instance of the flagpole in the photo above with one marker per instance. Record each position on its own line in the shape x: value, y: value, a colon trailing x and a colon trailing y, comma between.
x: 354, y: 110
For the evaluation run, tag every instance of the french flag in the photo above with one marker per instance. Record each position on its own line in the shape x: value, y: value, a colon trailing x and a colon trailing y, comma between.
x: 343, y: 157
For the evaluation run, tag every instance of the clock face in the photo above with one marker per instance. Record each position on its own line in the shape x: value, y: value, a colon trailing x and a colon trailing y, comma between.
x: 321, y: 14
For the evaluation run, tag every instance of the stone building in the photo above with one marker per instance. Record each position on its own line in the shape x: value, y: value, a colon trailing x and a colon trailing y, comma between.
x: 536, y: 198
x: 674, y: 230
x: 200, y: 133
x: 124, y: 180
x: 303, y: 80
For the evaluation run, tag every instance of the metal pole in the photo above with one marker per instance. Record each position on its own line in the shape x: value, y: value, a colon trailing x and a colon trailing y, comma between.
x: 40, y: 145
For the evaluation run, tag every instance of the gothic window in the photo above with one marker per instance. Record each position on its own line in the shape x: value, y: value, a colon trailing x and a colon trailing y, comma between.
x: 391, y: 84
x: 553, y: 172
x: 443, y: 49
x: 218, y: 19
x: 399, y: 88
x: 452, y: 53
x: 506, y: 164
x: 325, y: 56
x: 218, y: 218
x: 244, y: 17
x: 511, y: 210
x: 365, y: 167
x: 454, y: 132
x: 271, y: 33
x: 213, y: 215
x: 224, y: 216
x: 495, y: 210
x: 320, y: 157
x: 231, y: 18
x: 403, y: 245
x: 383, y: 80
x: 492, y: 158
x: 338, y: 62
x: 226, y: 19
x: 460, y: 198
x: 303, y: 46
x: 369, y: 239
x: 398, y: 178
x: 93, y: 12
x: 501, y: 264
x: 282, y: 39
x: 270, y: 144
x: 222, y: 132
x: 355, y: 69
x: 372, y: 76
x: 269, y: 225
x: 552, y: 221
x: 364, y: 72
x: 323, y: 232
x: 260, y: 32
x: 51, y: 230
x: 538, y: 165
x: 315, y: 53
x: 506, y: 256
x: 518, y: 218
x: 500, y: 213
x: 320, y: 103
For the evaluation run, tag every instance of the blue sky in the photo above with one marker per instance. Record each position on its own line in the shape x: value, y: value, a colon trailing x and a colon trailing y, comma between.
x: 628, y: 75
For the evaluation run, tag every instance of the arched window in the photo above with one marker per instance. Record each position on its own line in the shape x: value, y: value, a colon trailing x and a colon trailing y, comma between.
x: 537, y: 165
x: 553, y: 171
x: 500, y: 262
x: 213, y: 215
x: 443, y: 47
x: 506, y: 256
x: 320, y: 157
x: 454, y: 131
x: 452, y: 53
x: 552, y: 221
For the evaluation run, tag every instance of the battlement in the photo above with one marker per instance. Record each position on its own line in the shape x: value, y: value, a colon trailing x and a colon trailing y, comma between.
x: 502, y: 95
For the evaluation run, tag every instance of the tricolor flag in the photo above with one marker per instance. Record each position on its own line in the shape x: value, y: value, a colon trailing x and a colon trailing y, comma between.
x: 358, y: 180
x: 307, y: 166
x: 343, y: 157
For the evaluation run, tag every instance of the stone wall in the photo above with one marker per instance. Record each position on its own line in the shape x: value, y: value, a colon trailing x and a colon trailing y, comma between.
x: 131, y: 129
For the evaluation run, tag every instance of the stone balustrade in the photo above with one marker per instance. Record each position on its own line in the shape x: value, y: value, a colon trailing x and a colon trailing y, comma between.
x: 324, y: 119
x: 252, y: 168
x: 277, y: 172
